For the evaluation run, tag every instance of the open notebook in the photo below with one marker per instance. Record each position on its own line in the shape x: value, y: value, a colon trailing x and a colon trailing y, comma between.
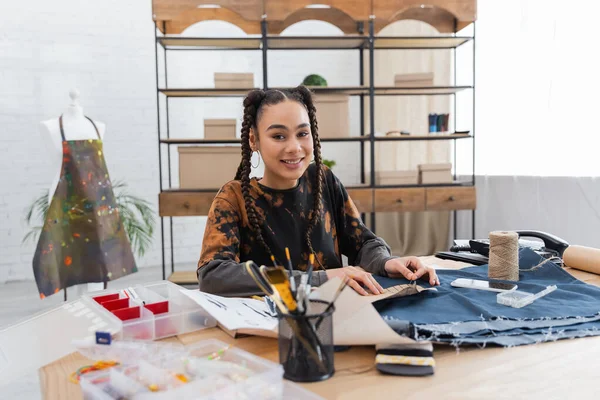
x: 251, y: 317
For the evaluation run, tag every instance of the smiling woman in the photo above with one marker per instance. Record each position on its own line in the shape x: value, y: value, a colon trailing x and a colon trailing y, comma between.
x: 298, y: 204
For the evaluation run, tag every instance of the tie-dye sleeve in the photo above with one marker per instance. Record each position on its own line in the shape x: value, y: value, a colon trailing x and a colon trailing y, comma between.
x: 219, y: 269
x: 362, y: 247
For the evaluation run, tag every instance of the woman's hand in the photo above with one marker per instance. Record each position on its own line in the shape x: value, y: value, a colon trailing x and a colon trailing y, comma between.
x: 357, y: 277
x: 412, y: 269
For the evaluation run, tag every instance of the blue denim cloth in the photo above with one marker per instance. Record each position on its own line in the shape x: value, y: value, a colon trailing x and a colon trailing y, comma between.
x: 463, y: 316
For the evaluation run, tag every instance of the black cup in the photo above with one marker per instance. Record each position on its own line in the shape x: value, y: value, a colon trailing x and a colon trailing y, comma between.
x: 306, y: 343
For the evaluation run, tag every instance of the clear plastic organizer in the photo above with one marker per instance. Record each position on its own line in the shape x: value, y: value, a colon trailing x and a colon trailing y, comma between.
x: 151, y: 311
x: 209, y: 369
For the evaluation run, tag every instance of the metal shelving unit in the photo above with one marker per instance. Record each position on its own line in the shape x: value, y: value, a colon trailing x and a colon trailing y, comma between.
x: 266, y: 43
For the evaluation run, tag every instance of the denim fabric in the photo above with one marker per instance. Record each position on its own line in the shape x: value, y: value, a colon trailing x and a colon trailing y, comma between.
x: 469, y: 316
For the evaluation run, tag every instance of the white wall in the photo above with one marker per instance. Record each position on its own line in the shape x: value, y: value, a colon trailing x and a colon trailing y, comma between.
x: 568, y: 207
x: 105, y: 49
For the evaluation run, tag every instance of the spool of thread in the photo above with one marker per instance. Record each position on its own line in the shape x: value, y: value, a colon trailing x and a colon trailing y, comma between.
x: 583, y: 258
x: 504, y: 256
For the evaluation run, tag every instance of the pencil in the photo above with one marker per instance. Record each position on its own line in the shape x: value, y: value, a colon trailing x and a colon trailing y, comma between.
x: 309, y: 270
x: 291, y: 269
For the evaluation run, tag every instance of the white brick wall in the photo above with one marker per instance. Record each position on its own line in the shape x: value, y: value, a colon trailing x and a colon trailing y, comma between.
x: 105, y: 49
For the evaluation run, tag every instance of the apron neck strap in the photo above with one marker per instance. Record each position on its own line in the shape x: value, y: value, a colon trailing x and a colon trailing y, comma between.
x: 62, y: 132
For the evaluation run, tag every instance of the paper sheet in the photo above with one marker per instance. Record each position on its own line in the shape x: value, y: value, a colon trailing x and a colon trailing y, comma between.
x: 355, y: 320
x: 235, y: 313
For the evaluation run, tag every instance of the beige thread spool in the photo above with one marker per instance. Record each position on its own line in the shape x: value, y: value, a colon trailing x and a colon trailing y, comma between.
x: 504, y: 256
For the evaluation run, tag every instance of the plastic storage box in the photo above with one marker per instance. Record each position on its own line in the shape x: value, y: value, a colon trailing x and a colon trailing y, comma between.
x: 209, y: 369
x: 149, y: 312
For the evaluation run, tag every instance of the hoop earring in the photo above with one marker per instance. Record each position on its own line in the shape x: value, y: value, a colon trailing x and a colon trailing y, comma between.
x: 258, y: 163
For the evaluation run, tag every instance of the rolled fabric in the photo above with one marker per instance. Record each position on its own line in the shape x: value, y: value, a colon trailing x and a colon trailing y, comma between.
x: 582, y: 258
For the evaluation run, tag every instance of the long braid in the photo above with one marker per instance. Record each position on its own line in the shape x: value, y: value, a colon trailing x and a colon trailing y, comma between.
x: 251, y: 105
x: 320, y: 176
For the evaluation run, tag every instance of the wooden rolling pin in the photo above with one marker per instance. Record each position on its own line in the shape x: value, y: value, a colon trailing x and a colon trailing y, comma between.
x: 583, y: 258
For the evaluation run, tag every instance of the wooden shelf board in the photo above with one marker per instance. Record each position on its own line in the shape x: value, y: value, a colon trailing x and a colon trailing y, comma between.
x: 325, y: 140
x: 353, y: 186
x: 315, y: 42
x: 411, y: 91
x: 322, y: 42
x: 184, y: 278
x: 432, y: 136
x: 206, y: 92
x: 237, y: 141
x: 349, y: 90
x: 210, y: 43
x: 427, y: 185
x: 432, y: 42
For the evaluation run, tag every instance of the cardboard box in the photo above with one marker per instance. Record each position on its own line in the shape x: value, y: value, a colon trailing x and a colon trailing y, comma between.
x: 217, y: 129
x: 234, y: 80
x: 207, y: 167
x: 397, y: 177
x: 332, y: 115
x: 414, y: 80
x: 435, y: 173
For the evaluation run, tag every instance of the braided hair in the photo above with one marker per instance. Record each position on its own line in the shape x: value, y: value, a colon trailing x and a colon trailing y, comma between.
x: 254, y: 104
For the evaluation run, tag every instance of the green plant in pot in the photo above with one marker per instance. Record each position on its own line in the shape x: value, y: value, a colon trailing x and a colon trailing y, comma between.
x: 138, y: 218
x: 314, y: 80
x: 329, y: 163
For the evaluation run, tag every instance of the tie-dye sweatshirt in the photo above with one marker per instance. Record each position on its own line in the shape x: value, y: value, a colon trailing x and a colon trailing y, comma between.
x: 229, y: 241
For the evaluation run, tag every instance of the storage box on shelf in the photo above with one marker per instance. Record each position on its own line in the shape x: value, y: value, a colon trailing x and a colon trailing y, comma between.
x: 396, y: 177
x: 414, y: 80
x: 333, y: 115
x: 152, y: 311
x: 207, y: 167
x: 234, y: 80
x: 435, y: 173
x: 219, y: 129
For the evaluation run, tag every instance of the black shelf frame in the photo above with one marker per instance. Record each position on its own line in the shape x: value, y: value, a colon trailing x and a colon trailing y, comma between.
x: 265, y: 43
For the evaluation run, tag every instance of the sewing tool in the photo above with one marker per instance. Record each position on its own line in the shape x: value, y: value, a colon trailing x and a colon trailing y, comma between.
x: 97, y: 366
x: 504, y: 256
x: 519, y: 299
x: 291, y: 271
x: 217, y: 354
x: 281, y: 283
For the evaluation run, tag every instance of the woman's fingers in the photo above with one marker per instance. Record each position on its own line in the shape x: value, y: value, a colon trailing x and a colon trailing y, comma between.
x: 377, y: 285
x: 357, y: 288
x: 433, y: 278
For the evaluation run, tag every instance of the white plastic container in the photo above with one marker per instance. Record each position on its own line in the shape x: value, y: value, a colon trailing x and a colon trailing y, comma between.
x: 519, y: 299
x: 211, y: 368
x: 154, y: 311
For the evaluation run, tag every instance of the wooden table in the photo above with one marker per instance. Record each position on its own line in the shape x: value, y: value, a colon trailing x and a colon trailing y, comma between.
x: 562, y: 369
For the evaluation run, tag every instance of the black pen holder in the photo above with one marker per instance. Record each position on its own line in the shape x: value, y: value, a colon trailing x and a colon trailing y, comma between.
x: 306, y: 343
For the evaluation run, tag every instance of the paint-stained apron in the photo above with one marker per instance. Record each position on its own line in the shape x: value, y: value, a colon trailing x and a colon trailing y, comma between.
x: 83, y: 239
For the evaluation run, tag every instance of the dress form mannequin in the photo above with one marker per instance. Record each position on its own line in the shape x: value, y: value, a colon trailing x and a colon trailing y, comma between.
x: 76, y: 127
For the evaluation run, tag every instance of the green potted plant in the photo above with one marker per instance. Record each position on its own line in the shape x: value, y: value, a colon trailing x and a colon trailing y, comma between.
x: 138, y: 218
x: 314, y: 80
x: 329, y: 163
